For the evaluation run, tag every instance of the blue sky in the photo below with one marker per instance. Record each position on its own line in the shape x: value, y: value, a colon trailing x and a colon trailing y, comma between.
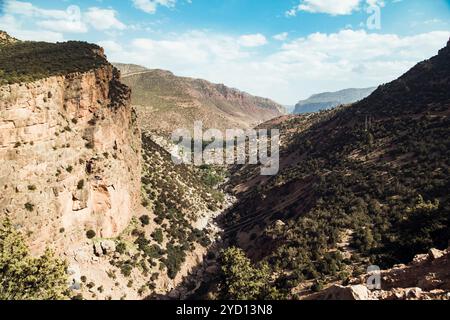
x: 282, y: 49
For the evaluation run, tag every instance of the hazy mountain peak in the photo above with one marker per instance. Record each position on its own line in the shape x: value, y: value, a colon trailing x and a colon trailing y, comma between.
x: 328, y: 100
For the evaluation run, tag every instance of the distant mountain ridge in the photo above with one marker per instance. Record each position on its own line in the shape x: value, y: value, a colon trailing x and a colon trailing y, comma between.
x: 329, y: 100
x: 165, y: 102
x: 128, y: 69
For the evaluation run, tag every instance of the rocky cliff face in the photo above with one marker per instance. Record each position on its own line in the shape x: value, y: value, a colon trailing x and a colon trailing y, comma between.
x: 70, y: 152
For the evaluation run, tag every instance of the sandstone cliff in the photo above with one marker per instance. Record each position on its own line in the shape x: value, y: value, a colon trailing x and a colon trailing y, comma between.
x: 70, y: 152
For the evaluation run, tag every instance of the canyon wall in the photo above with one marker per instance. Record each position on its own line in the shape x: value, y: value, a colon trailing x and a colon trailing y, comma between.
x: 70, y: 151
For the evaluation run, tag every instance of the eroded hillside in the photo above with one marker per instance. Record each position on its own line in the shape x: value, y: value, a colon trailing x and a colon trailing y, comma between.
x: 166, y: 102
x: 364, y: 184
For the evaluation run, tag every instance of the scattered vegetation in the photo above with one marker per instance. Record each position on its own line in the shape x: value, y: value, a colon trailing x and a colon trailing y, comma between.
x: 30, y: 61
x: 244, y: 281
x: 375, y: 172
x: 23, y: 277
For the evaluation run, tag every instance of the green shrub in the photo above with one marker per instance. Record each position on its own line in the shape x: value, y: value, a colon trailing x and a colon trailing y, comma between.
x: 145, y: 220
x: 80, y: 185
x: 317, y: 286
x: 126, y: 269
x: 24, y: 277
x: 241, y: 279
x: 29, y: 61
x: 29, y: 207
x: 90, y: 234
x: 175, y: 258
x: 121, y: 248
x: 158, y: 235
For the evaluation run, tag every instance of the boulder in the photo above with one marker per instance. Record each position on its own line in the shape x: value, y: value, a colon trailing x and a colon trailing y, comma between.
x: 108, y: 246
x: 81, y: 255
x: 435, y: 254
x: 418, y: 259
x: 337, y: 292
x: 413, y: 293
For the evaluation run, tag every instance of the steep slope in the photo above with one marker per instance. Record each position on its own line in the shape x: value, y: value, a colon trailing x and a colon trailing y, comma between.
x: 166, y: 102
x: 75, y: 177
x: 166, y: 242
x: 362, y: 184
x: 68, y: 141
x: 329, y: 100
x: 70, y: 148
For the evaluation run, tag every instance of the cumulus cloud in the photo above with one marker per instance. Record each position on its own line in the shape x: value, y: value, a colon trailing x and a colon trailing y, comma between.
x: 71, y: 20
x: 15, y: 28
x: 182, y: 52
x: 281, y: 36
x: 103, y: 19
x: 252, y: 40
x: 150, y: 6
x: 332, y: 7
x: 111, y: 46
x: 299, y: 68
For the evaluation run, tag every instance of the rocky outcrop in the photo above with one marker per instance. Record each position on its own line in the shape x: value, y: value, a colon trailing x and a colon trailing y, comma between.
x: 426, y: 278
x: 70, y: 151
x: 6, y: 38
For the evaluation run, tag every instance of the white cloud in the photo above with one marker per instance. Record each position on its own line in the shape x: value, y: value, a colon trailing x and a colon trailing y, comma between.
x: 186, y: 51
x: 281, y: 36
x: 111, y: 46
x: 150, y: 6
x: 333, y: 7
x: 103, y: 19
x: 15, y: 29
x: 252, y: 40
x: 71, y: 20
x: 316, y: 63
